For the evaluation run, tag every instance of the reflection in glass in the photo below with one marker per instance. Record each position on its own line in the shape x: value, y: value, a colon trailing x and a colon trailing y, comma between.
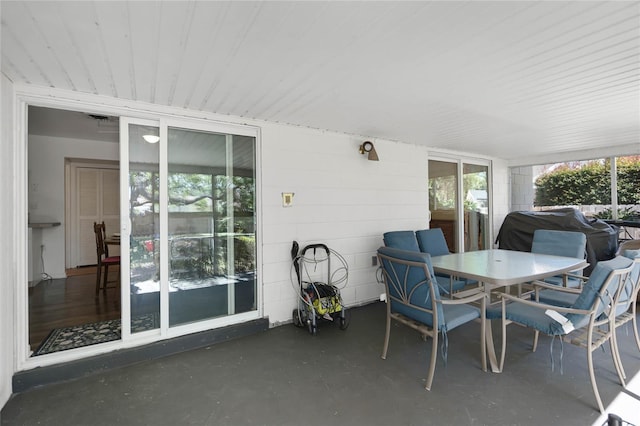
x: 144, y: 250
x: 443, y: 204
x: 476, y: 207
x: 211, y: 211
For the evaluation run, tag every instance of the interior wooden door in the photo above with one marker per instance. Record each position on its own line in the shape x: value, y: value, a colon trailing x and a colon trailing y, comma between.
x: 96, y: 198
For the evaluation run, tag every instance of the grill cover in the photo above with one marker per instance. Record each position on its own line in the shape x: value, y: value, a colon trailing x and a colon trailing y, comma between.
x: 516, y: 232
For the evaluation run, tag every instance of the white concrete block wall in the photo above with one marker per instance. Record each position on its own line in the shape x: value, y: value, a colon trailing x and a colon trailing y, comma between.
x: 501, y: 194
x: 8, y: 256
x: 341, y: 199
x: 522, y: 190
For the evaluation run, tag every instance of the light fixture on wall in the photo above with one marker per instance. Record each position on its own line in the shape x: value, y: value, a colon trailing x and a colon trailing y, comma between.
x: 151, y: 138
x: 367, y: 147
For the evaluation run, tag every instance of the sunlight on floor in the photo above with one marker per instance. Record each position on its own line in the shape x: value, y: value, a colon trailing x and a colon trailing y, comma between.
x: 626, y: 405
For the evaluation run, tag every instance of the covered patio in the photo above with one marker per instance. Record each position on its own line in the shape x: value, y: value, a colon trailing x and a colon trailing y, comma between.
x: 284, y: 376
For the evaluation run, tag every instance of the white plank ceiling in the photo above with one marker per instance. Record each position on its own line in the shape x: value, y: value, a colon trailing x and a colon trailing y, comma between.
x: 505, y: 79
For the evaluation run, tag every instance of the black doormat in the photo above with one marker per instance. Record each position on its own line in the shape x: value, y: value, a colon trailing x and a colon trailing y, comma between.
x: 61, y: 339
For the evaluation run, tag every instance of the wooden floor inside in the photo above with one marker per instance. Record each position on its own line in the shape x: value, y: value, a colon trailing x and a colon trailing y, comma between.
x: 68, y: 302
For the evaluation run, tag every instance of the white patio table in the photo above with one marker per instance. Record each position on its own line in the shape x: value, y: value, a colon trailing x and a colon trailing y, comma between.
x: 501, y: 268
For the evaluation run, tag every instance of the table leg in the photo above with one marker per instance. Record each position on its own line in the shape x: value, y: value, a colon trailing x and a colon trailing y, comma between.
x: 491, y: 350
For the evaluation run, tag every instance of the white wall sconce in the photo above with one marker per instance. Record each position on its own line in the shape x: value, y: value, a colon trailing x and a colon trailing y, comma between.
x: 368, y: 148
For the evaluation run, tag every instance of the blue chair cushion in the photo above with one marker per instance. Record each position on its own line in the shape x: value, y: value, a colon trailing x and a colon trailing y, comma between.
x: 591, y: 289
x: 625, y: 298
x: 455, y: 315
x: 631, y: 254
x: 559, y: 243
x: 494, y: 312
x: 559, y: 281
x: 404, y: 240
x: 444, y: 283
x: 432, y: 241
x: 420, y: 296
x: 533, y: 317
x: 450, y: 316
x: 557, y: 298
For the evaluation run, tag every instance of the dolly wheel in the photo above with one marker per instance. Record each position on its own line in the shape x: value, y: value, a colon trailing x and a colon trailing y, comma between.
x: 297, y: 318
x: 344, y: 321
x: 313, y: 329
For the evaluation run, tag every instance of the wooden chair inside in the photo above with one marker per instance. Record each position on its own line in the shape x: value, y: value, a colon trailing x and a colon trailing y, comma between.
x: 104, y: 261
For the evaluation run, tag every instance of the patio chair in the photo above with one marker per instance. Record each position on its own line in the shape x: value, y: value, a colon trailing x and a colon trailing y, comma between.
x: 406, y: 240
x: 628, y: 245
x: 414, y: 300
x: 591, y: 316
x: 561, y: 243
x: 432, y: 241
x: 625, y: 304
x: 104, y: 261
x: 403, y: 240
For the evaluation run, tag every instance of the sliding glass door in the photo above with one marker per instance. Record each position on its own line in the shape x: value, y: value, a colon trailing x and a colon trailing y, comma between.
x: 443, y: 200
x: 459, y: 203
x: 475, y: 190
x: 190, y: 237
x: 143, y: 203
x: 211, y: 217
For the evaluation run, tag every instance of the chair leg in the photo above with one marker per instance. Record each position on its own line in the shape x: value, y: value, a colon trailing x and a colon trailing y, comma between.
x: 483, y: 340
x: 617, y: 361
x: 106, y: 278
x: 387, y: 331
x: 98, y: 276
x: 504, y: 335
x: 593, y: 378
x: 635, y: 324
x: 536, y: 334
x: 432, y: 361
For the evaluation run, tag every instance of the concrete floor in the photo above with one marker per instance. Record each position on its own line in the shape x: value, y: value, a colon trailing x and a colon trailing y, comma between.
x: 284, y: 376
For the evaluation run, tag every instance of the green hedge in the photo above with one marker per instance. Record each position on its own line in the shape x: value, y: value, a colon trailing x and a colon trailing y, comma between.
x: 589, y: 184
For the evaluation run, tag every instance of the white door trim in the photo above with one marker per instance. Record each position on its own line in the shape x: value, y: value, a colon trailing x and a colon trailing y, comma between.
x: 25, y: 96
x: 71, y: 203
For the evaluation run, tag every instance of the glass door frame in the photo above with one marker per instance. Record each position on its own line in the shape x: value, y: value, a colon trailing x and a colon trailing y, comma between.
x: 460, y: 162
x: 165, y: 331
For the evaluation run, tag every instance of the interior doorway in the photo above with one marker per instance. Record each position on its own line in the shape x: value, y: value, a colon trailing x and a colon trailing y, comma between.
x: 93, y: 196
x: 73, y: 180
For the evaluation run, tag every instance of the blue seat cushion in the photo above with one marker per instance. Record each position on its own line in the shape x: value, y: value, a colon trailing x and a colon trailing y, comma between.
x: 414, y: 313
x: 444, y: 283
x: 494, y: 312
x: 557, y: 298
x: 534, y: 317
x: 403, y: 240
x: 558, y: 280
x: 455, y: 315
x: 634, y: 276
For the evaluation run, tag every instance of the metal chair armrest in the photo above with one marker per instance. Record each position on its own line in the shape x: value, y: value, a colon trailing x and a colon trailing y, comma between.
x: 539, y: 305
x: 463, y: 300
x: 541, y: 284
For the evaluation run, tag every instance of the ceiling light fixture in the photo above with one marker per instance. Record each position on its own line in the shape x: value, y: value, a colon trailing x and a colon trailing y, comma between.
x: 367, y: 147
x: 151, y: 138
